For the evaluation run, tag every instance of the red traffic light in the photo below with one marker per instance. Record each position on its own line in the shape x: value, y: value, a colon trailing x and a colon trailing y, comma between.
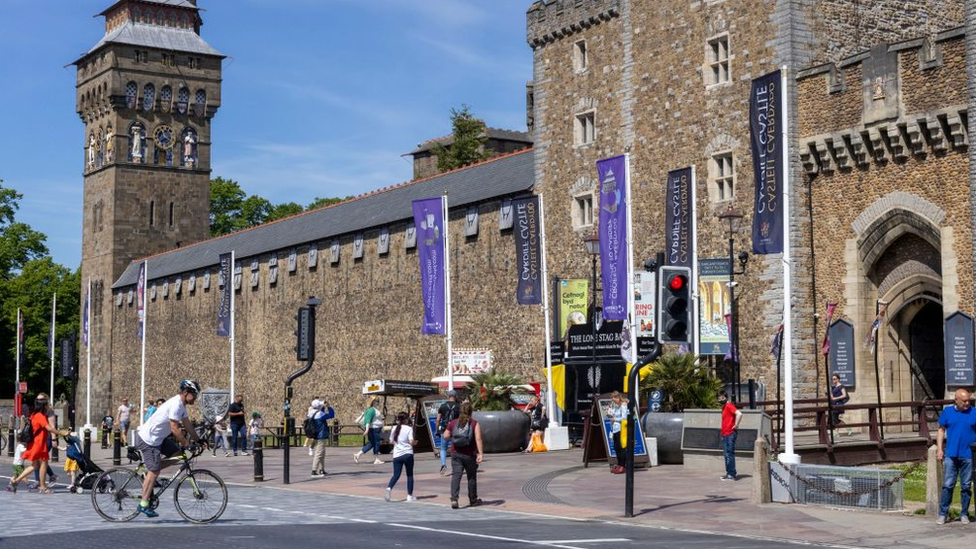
x: 677, y: 282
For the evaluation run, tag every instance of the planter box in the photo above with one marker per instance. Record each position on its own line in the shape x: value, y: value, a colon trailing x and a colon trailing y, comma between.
x: 503, y: 432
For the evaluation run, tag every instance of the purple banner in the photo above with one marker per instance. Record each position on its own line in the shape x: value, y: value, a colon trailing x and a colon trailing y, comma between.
x: 428, y: 217
x: 680, y: 218
x: 84, y: 322
x: 613, y: 236
x: 527, y: 250
x: 223, y: 311
x: 141, y: 297
x: 766, y: 128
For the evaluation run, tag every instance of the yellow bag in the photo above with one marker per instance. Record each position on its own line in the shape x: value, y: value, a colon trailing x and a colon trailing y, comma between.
x: 536, y: 445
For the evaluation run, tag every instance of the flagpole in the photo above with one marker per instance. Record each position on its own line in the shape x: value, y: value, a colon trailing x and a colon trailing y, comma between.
x: 88, y: 335
x: 447, y: 290
x: 145, y: 335
x: 20, y: 321
x: 789, y: 456
x: 551, y: 394
x: 631, y: 312
x: 233, y: 355
x: 54, y: 308
x: 696, y: 297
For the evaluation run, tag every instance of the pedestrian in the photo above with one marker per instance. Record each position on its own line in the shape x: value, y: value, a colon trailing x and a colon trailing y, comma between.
x: 70, y: 464
x: 108, y: 421
x: 323, y: 413
x: 957, y: 430
x: 238, y: 425
x: 372, y: 423
x: 839, y: 397
x: 731, y: 416
x: 403, y: 443
x: 123, y: 419
x: 467, y: 454
x: 254, y: 428
x: 221, y: 437
x: 309, y: 441
x: 150, y: 410
x: 18, y: 459
x: 539, y: 423
x: 36, y: 451
x: 447, y: 412
x: 617, y: 412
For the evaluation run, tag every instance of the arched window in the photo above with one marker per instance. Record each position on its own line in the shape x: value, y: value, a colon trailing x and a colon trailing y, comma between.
x: 148, y: 97
x: 188, y: 148
x: 152, y: 213
x: 136, y: 15
x: 131, y: 91
x: 166, y: 98
x: 200, y: 107
x: 183, y: 100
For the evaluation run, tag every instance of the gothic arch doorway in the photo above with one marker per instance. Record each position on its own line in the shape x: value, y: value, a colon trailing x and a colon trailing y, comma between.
x: 927, y: 351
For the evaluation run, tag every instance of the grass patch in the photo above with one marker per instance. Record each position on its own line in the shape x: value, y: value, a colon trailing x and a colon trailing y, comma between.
x: 915, y: 488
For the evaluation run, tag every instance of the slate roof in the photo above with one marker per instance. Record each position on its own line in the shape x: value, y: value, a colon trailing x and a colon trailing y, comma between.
x: 174, y: 3
x: 156, y: 36
x: 493, y: 133
x: 505, y: 175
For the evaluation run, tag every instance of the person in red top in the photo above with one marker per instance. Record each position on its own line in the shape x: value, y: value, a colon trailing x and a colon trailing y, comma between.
x: 37, y: 450
x: 731, y: 416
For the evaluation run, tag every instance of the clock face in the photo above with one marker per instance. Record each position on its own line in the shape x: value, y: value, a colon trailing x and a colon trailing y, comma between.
x: 163, y: 136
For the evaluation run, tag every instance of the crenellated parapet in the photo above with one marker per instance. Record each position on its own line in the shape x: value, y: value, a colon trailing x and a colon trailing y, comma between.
x: 553, y: 20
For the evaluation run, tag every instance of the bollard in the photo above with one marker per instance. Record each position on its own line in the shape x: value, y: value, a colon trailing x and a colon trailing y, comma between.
x: 105, y: 435
x: 54, y: 442
x: 258, y: 450
x: 933, y: 482
x: 761, y: 489
x: 87, y: 445
x: 11, y: 438
x: 116, y: 448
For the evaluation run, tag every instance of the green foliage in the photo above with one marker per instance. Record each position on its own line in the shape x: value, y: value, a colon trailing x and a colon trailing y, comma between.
x: 492, y: 391
x: 685, y: 385
x: 323, y: 202
x: 18, y: 242
x: 231, y: 209
x: 468, y: 146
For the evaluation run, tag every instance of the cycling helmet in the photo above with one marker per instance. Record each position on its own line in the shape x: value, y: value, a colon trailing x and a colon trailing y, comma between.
x: 189, y: 385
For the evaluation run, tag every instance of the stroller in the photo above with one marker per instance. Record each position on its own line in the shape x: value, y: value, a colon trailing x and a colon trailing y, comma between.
x: 89, y: 472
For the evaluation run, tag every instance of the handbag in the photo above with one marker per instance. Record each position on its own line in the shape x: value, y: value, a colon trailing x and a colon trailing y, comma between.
x: 361, y: 417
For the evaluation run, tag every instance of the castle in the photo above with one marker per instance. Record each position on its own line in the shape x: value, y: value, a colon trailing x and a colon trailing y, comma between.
x: 881, y: 208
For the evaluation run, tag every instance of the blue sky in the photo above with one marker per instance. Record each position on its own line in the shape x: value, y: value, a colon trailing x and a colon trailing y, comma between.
x: 320, y: 97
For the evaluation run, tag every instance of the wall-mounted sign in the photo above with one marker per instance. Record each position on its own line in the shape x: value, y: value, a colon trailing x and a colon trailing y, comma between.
x: 410, y: 236
x: 358, y: 246
x: 313, y: 256
x: 383, y: 241
x: 958, y: 334
x: 841, y: 333
x: 334, y: 250
x: 292, y: 260
x: 471, y: 222
x: 505, y: 218
x: 471, y: 361
x: 714, y: 304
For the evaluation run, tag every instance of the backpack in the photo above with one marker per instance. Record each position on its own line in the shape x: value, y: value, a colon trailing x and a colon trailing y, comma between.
x: 26, y: 435
x: 462, y: 436
x: 452, y: 413
x: 311, y: 430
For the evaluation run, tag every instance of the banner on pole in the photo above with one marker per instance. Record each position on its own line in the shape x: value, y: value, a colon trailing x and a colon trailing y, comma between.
x: 68, y: 362
x: 21, y: 339
x: 680, y: 216
x: 766, y: 131
x: 429, y: 220
x: 223, y: 311
x: 715, y: 304
x: 141, y: 298
x: 613, y: 236
x: 85, y: 320
x: 645, y: 296
x: 50, y: 333
x: 571, y: 300
x: 527, y: 250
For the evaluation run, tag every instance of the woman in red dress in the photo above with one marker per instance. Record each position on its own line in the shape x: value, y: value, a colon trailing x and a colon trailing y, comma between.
x: 37, y: 450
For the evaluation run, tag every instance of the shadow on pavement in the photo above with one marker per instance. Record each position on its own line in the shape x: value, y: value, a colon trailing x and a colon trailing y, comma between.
x: 706, y: 499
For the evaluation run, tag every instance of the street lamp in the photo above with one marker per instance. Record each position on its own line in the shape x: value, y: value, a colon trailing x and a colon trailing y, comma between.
x: 733, y: 217
x: 592, y: 242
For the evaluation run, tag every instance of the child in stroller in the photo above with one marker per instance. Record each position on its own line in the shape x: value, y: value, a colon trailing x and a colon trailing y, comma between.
x: 76, y: 463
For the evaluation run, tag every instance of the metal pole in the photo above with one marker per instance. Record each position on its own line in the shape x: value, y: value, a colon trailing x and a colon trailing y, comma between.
x: 20, y: 322
x: 290, y: 421
x: 550, y: 396
x: 631, y: 311
x: 88, y: 344
x: 54, y: 308
x: 695, y: 297
x: 789, y: 456
x: 145, y: 336
x: 779, y: 385
x: 877, y: 375
x: 445, y: 212
x: 233, y: 271
x: 733, y: 342
x: 830, y: 393
x: 633, y: 382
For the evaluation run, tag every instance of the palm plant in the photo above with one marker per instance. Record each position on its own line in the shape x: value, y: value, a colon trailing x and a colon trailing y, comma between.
x: 492, y: 391
x: 685, y: 384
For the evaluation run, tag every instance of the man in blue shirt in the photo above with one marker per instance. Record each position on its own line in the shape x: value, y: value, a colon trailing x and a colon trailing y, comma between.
x: 957, y: 429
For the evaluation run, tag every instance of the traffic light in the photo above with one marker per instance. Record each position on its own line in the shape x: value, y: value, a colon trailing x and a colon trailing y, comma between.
x: 305, y: 335
x: 674, y: 320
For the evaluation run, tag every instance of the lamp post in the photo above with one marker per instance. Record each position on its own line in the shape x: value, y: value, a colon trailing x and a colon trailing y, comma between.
x: 733, y: 216
x: 592, y: 243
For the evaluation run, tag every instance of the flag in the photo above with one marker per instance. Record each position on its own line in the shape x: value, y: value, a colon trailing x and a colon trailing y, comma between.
x: 766, y: 126
x: 223, y: 311
x: 141, y: 298
x: 50, y: 333
x: 679, y: 218
x: 21, y: 341
x: 626, y: 351
x: 733, y: 353
x: 84, y: 321
x: 825, y: 348
x: 876, y: 325
x: 528, y: 251
x: 776, y: 342
x: 613, y: 237
x: 428, y: 215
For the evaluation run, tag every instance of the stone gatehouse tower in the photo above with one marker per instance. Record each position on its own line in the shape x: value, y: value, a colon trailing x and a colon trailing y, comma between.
x: 146, y: 93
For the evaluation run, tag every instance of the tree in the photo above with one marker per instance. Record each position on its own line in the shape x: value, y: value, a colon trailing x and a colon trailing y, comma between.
x: 684, y: 383
x: 18, y: 242
x: 284, y: 210
x: 323, y: 202
x: 232, y: 209
x: 468, y: 145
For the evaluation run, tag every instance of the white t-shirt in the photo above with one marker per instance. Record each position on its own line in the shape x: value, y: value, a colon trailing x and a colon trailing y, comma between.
x: 402, y: 446
x: 124, y: 413
x: 157, y: 427
x: 19, y: 454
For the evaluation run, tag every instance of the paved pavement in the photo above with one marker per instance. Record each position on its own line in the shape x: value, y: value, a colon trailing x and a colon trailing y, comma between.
x: 547, y: 487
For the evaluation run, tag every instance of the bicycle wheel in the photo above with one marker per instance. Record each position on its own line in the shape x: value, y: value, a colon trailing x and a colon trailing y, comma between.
x: 116, y: 495
x: 201, y: 497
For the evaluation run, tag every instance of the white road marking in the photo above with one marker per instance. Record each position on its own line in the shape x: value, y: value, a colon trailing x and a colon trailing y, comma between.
x: 483, y: 536
x: 602, y: 540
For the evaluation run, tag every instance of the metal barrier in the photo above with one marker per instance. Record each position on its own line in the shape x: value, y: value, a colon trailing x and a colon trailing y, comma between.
x: 850, y: 487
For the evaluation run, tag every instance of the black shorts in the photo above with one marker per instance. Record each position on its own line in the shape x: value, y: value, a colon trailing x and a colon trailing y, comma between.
x: 152, y: 456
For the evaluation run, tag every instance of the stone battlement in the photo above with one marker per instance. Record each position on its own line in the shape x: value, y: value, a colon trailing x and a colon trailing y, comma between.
x: 549, y: 21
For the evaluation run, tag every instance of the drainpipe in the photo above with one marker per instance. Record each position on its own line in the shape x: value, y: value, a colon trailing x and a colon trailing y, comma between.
x: 971, y: 86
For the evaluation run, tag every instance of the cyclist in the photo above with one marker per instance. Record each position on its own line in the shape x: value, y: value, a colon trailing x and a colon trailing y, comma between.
x: 153, y: 441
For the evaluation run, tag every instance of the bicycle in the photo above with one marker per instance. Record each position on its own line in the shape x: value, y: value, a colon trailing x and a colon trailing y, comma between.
x: 117, y: 493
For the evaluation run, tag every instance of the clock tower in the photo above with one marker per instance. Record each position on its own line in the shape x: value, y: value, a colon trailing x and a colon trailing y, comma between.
x: 146, y: 92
